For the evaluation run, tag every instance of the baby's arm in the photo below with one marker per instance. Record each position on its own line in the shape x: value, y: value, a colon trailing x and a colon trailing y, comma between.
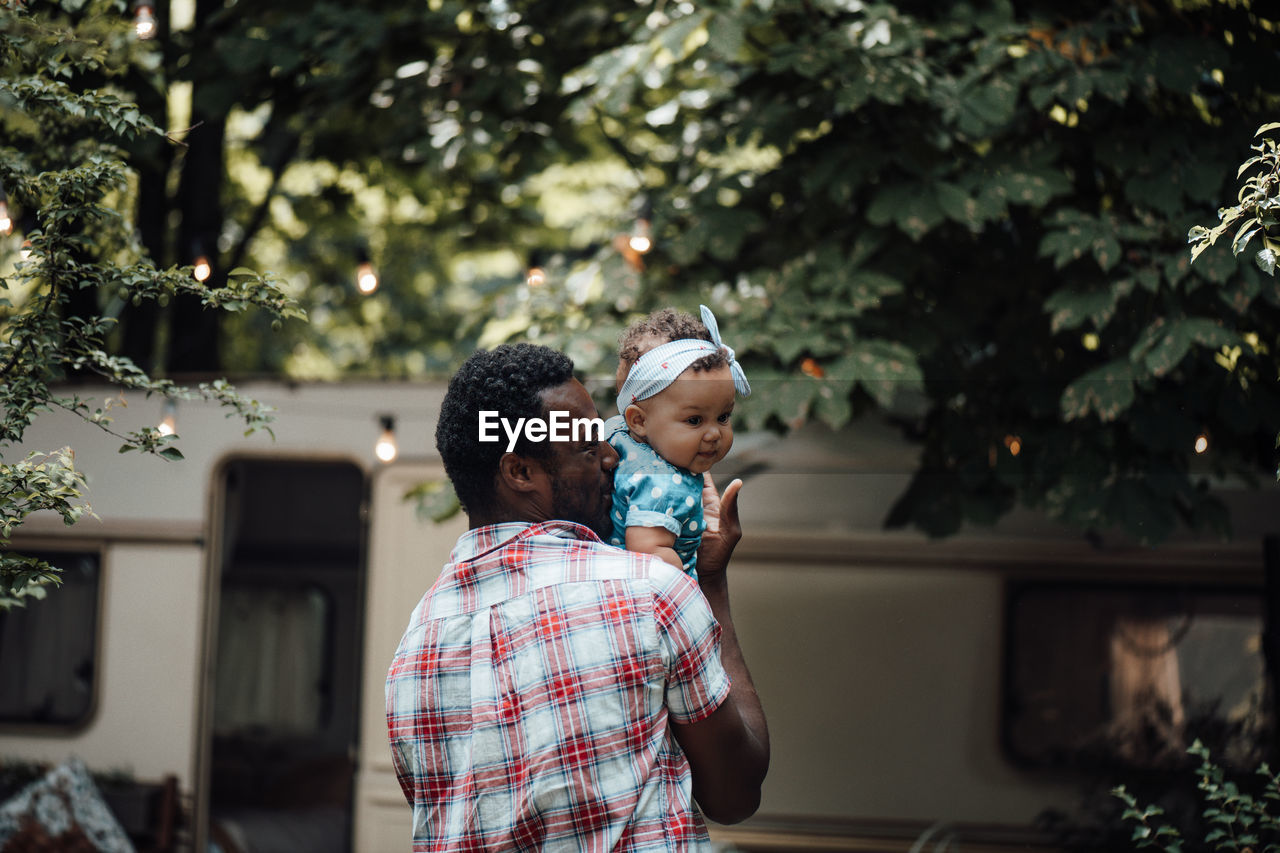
x: 657, y: 541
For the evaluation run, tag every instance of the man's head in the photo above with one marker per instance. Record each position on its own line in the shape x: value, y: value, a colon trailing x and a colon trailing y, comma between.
x: 661, y: 327
x: 571, y: 480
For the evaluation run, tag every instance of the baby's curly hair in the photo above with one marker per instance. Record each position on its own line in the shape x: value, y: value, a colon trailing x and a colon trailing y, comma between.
x: 661, y: 327
x: 507, y: 379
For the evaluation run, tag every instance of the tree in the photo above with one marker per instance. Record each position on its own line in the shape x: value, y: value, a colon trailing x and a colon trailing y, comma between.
x: 970, y: 216
x: 325, y: 133
x: 974, y: 217
x: 70, y: 190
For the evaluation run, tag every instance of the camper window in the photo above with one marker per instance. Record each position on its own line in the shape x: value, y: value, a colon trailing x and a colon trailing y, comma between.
x: 48, y: 649
x: 273, y: 660
x: 1104, y: 675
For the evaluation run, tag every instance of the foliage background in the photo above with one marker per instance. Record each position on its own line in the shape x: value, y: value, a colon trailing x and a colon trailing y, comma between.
x: 972, y: 217
x: 63, y: 171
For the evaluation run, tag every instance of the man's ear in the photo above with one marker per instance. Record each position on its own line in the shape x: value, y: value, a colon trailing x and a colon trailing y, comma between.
x: 634, y: 416
x: 518, y: 473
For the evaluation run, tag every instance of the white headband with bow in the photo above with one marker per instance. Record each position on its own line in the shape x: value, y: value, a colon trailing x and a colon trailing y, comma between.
x: 658, y: 368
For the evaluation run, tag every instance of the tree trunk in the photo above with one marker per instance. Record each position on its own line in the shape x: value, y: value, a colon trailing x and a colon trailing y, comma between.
x: 193, y: 329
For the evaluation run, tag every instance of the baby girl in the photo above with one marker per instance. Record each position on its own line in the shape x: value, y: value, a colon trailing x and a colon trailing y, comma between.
x: 676, y: 384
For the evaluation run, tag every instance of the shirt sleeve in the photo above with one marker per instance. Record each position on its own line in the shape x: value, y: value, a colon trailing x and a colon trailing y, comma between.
x: 697, y: 683
x: 400, y: 715
x: 662, y: 497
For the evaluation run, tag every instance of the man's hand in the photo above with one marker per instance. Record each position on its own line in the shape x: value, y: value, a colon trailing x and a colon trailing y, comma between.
x: 721, y: 528
x: 728, y: 751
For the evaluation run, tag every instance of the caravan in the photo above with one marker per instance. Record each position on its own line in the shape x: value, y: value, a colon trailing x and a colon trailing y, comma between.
x: 227, y: 622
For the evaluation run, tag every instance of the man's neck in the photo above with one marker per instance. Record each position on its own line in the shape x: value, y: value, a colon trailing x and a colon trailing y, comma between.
x: 504, y: 515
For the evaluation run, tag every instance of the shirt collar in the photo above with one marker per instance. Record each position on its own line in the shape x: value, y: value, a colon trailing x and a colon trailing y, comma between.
x: 480, y: 540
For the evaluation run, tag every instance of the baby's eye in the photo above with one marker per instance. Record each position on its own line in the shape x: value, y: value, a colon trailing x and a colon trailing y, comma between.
x: 724, y: 419
x: 695, y: 420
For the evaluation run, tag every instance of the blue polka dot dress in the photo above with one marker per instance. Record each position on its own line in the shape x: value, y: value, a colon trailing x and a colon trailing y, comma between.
x: 648, y: 491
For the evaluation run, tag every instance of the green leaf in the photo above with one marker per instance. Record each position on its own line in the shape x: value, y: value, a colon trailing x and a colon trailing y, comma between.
x: 435, y: 500
x: 1106, y: 391
x: 791, y: 399
x: 867, y: 288
x: 171, y: 453
x: 958, y: 205
x: 1170, y: 348
x: 1246, y: 233
x: 789, y: 347
x: 1266, y: 260
x: 985, y: 107
x: 1106, y: 251
x: 1070, y: 308
x: 726, y: 34
x: 912, y: 207
x: 882, y: 368
x: 1033, y: 188
x: 832, y: 405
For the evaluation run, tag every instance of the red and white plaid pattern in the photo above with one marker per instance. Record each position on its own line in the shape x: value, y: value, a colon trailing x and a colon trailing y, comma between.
x: 528, y: 702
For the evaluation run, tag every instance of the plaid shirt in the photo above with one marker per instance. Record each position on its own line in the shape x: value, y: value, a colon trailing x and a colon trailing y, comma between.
x: 528, y: 702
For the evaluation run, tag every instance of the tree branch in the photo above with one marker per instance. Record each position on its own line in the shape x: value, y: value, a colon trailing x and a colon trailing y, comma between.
x: 26, y: 342
x: 259, y: 217
x: 618, y: 146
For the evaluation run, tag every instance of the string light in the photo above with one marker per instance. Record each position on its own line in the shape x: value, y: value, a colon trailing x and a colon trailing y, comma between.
x: 536, y: 274
x: 201, y: 270
x: 1202, y: 443
x: 144, y: 20
x: 641, y: 239
x: 386, y: 448
x: 366, y: 277
x: 1014, y: 444
x: 6, y: 221
x: 641, y: 236
x: 168, y: 418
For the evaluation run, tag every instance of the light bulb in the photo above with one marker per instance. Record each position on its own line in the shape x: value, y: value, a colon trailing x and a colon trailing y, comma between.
x: 6, y: 221
x: 25, y: 251
x: 1202, y: 443
x: 366, y: 278
x: 641, y: 236
x: 536, y: 277
x: 386, y: 448
x: 144, y: 21
x: 168, y: 418
x: 201, y: 269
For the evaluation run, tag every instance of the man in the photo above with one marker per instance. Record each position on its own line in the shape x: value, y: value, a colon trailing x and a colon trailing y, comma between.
x: 553, y: 692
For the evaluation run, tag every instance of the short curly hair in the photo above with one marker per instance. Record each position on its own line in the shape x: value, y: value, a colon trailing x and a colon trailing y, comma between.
x: 663, y: 326
x: 507, y: 379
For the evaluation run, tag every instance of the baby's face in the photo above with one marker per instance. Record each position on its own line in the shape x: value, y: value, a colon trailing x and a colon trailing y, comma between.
x: 690, y: 423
